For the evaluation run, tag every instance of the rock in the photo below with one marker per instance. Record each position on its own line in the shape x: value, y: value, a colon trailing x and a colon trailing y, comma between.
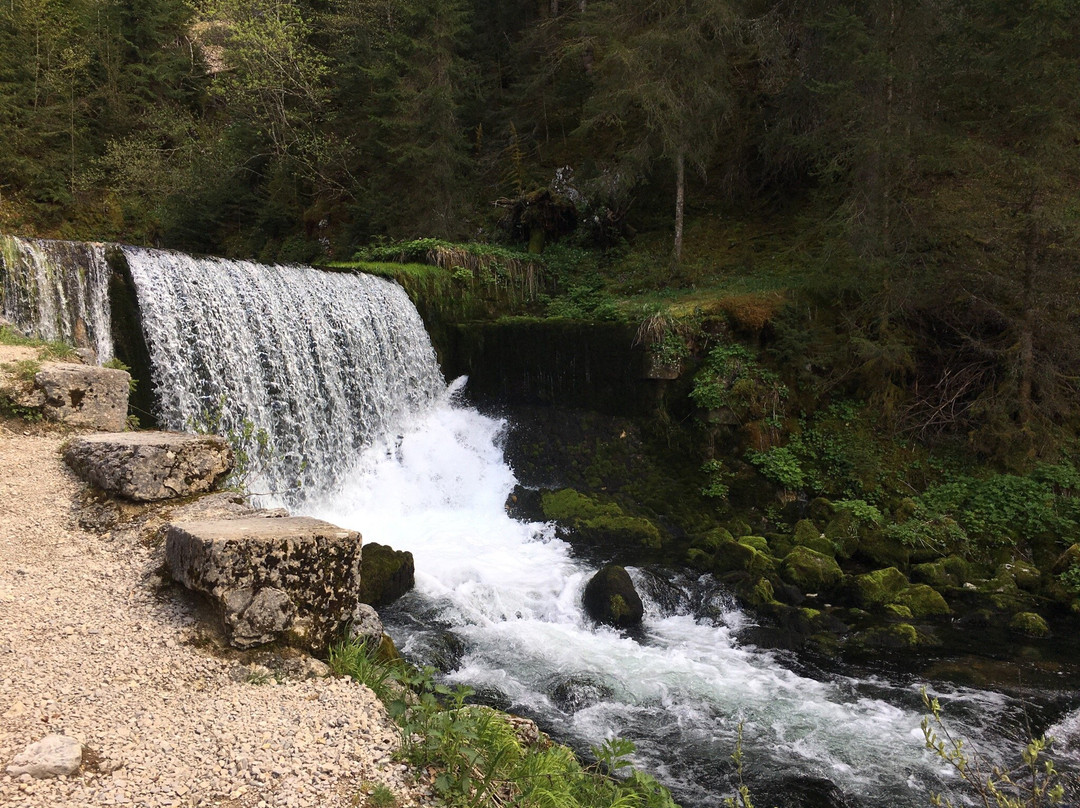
x: 735, y: 556
x: 759, y: 543
x: 1068, y: 559
x: 1026, y: 576
x: 922, y: 601
x: 1029, y: 624
x: 810, y: 570
x: 525, y: 504
x: 148, y: 466
x: 292, y: 578
x: 878, y: 587
x: 876, y: 548
x: 85, y: 396
x: 610, y: 598
x: 807, y: 535
x: 596, y: 522
x: 712, y: 540
x: 580, y: 691
x: 52, y: 756
x: 365, y: 626
x: 88, y: 356
x: 386, y: 575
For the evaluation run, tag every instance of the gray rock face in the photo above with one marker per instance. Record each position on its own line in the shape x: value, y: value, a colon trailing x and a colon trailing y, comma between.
x: 85, y: 396
x: 147, y: 466
x: 289, y: 578
x: 52, y: 756
x: 366, y: 627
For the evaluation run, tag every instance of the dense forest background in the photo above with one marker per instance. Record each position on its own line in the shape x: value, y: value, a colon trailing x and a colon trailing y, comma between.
x: 911, y: 166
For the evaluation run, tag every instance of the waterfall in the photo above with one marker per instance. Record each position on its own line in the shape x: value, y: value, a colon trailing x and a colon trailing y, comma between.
x: 57, y: 291
x: 304, y: 367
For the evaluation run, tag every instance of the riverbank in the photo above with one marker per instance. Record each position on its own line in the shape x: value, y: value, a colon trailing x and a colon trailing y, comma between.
x: 95, y: 648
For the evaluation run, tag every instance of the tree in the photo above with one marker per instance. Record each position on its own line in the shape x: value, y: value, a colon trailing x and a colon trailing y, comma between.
x: 661, y: 88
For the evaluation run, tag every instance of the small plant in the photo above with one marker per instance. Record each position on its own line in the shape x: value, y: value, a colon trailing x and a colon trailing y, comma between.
x: 731, y: 377
x: 742, y: 798
x: 380, y: 796
x: 258, y: 675
x: 23, y: 370
x: 1070, y: 579
x: 357, y: 661
x: 716, y: 476
x: 117, y: 364
x: 1032, y: 783
x: 779, y: 465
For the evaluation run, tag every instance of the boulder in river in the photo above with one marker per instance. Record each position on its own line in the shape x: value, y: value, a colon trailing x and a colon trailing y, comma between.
x: 293, y: 578
x: 148, y: 466
x: 387, y: 574
x: 610, y: 598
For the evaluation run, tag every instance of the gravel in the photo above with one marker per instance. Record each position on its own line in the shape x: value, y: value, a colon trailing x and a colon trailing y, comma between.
x: 90, y: 648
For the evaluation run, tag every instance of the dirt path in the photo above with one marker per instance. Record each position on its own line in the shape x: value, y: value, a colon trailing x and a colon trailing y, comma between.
x: 90, y: 649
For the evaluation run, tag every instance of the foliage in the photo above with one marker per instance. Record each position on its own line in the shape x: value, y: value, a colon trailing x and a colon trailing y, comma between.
x: 779, y: 465
x: 477, y: 754
x: 731, y: 377
x: 1032, y: 783
x: 716, y: 475
x: 251, y: 446
x: 1070, y: 579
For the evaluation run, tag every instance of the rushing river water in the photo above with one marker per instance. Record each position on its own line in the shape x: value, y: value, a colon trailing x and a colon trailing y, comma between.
x: 500, y: 601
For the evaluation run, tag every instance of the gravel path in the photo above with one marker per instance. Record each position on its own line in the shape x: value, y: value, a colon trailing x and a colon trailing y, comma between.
x: 89, y: 648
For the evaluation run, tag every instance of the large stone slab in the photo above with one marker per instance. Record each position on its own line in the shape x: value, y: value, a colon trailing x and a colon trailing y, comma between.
x: 82, y: 395
x: 294, y: 579
x: 52, y: 756
x: 149, y: 466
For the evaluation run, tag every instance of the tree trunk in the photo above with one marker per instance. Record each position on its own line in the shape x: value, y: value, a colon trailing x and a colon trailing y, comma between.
x: 680, y: 200
x: 1026, y: 346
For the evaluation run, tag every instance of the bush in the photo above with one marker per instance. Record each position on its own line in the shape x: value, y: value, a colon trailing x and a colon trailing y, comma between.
x: 732, y: 378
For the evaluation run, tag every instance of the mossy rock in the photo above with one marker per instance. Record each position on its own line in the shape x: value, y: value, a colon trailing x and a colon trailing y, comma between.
x: 876, y: 548
x: 610, y: 597
x: 598, y: 522
x: 1070, y: 558
x: 385, y: 574
x: 780, y: 544
x: 739, y: 528
x: 699, y: 559
x: 712, y: 540
x: 896, y: 610
x: 759, y: 543
x: 807, y: 535
x: 810, y: 570
x: 958, y: 568
x: 738, y: 557
x: 1029, y: 624
x: 878, y: 587
x: 922, y: 601
x: 899, y: 636
x: 932, y: 573
x: 757, y: 592
x: 843, y: 531
x: 388, y: 651
x: 821, y: 511
x: 1026, y: 576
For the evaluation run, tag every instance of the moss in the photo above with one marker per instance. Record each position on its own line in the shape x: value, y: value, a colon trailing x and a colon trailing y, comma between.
x: 958, y: 568
x: 759, y: 543
x: 811, y: 571
x: 385, y: 574
x: 932, y: 573
x: 758, y: 593
x: 1070, y: 558
x: 878, y: 549
x: 821, y: 511
x: 618, y: 607
x: 600, y: 522
x: 896, y: 635
x: 922, y: 601
x: 780, y: 544
x: 737, y: 557
x: 1029, y: 624
x: 739, y: 528
x: 807, y: 535
x: 903, y: 612
x: 879, y: 587
x: 1026, y: 576
x: 712, y: 540
x: 699, y: 559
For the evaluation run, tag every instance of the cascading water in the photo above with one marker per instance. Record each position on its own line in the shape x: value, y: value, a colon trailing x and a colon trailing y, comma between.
x: 57, y: 291
x: 307, y: 366
x: 501, y: 600
x: 340, y: 374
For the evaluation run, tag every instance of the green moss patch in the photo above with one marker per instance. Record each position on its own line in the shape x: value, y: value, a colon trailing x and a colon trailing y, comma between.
x: 810, y: 570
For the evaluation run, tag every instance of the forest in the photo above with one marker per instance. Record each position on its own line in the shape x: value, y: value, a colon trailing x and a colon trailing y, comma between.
x: 905, y: 170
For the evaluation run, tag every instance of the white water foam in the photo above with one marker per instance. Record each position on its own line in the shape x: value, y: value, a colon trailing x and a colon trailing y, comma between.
x: 512, y: 592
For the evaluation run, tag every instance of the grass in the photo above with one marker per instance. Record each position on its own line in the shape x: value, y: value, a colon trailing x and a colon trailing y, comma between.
x: 476, y: 754
x: 55, y: 350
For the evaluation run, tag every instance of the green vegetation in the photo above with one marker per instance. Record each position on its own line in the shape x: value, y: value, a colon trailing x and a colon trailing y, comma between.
x: 1032, y: 782
x: 478, y: 754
